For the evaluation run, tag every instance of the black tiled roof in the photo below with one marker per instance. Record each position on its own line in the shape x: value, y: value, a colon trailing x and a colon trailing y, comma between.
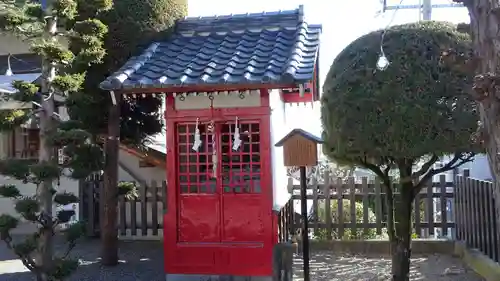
x: 271, y: 48
x: 21, y: 63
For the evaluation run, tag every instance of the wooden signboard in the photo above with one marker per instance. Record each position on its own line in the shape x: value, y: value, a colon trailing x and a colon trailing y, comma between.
x: 300, y: 148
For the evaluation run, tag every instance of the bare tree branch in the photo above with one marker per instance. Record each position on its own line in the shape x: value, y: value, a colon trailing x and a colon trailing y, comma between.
x: 458, y: 160
x: 427, y: 165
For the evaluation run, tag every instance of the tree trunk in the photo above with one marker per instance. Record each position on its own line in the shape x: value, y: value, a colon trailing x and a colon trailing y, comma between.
x: 44, y: 193
x: 46, y: 154
x: 485, y: 26
x: 109, y: 231
x: 401, y: 243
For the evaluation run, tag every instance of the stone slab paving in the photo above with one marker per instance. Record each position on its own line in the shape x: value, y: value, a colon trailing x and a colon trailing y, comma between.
x: 143, y: 261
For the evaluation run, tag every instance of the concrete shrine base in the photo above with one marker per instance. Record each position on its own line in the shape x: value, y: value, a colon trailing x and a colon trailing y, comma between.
x: 192, y: 277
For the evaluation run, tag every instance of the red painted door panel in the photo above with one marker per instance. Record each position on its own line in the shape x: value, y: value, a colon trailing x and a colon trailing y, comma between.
x: 223, y: 222
x: 243, y: 219
x: 199, y: 219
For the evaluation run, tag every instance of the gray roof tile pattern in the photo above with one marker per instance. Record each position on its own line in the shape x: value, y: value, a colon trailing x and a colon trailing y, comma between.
x: 264, y: 48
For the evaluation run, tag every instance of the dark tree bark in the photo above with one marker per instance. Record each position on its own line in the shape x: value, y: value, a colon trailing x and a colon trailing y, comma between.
x: 109, y: 231
x: 401, y: 243
x: 399, y: 209
x: 484, y: 29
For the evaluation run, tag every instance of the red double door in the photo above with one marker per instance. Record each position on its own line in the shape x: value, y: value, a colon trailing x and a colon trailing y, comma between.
x: 222, y: 220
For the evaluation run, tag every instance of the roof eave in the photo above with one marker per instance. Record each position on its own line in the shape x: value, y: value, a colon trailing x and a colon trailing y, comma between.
x: 202, y: 88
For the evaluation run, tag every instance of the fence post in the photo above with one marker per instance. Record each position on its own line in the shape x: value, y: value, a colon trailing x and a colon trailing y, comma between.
x: 365, y: 191
x: 378, y: 206
x: 430, y: 209
x: 454, y: 208
x: 144, y: 208
x: 328, y: 205
x: 496, y: 227
x: 483, y: 223
x: 315, y: 205
x: 340, y: 208
x: 352, y: 205
x: 154, y: 207
x: 444, y: 203
x: 466, y: 201
x: 293, y: 223
x: 466, y: 173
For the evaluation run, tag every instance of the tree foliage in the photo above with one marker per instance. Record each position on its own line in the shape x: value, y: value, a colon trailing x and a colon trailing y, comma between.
x: 133, y: 25
x: 417, y: 107
x: 404, y: 118
x: 48, y: 29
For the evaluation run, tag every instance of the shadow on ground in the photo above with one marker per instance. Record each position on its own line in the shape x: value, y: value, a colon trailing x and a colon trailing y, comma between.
x: 139, y: 261
x: 143, y: 261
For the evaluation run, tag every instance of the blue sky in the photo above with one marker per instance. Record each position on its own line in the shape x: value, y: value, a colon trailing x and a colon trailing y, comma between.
x: 343, y: 22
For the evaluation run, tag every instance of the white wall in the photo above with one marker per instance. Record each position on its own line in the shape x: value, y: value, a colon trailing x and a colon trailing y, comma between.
x: 12, y: 45
x: 278, y: 131
x: 296, y: 116
x: 479, y: 168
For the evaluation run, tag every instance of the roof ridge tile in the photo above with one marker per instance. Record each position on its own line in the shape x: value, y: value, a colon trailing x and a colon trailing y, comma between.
x: 269, y: 47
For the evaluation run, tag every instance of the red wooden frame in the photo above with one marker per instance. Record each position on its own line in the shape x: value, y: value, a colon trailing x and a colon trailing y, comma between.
x: 238, y: 258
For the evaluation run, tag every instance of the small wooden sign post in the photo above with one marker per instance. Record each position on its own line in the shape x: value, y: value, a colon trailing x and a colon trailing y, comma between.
x: 300, y: 149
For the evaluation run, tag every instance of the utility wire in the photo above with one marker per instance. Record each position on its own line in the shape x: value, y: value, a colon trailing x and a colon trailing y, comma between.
x: 383, y: 62
x: 356, y: 59
x: 9, y: 71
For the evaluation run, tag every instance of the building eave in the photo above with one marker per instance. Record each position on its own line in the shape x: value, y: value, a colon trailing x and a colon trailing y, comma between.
x: 148, y: 158
x: 203, y: 88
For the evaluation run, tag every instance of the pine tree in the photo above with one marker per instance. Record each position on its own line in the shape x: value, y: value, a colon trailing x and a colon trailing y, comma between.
x: 140, y: 117
x: 48, y: 26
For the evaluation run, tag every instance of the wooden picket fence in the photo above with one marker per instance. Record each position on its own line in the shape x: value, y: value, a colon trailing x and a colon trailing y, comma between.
x: 433, y: 216
x: 476, y: 217
x: 461, y: 209
x: 139, y: 218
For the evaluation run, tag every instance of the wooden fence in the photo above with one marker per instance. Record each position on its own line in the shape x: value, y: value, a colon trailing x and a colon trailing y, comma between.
x: 476, y: 217
x: 139, y: 218
x: 464, y: 207
x: 362, y: 204
x: 358, y: 210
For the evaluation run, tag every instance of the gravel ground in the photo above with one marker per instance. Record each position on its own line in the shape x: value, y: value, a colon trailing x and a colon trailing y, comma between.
x: 143, y: 261
x: 328, y: 267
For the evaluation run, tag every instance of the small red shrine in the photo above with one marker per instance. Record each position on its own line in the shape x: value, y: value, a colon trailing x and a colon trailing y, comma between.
x: 226, y: 80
